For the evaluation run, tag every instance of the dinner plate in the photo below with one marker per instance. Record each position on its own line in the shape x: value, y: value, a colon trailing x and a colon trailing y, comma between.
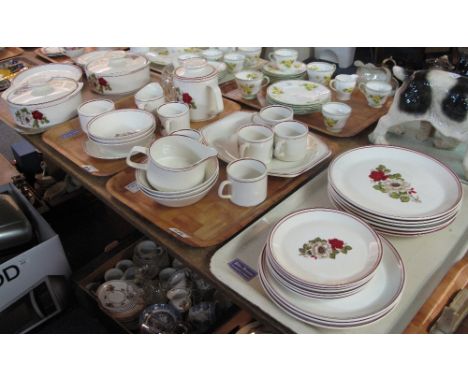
x: 395, y: 182
x: 378, y: 296
x: 298, y: 92
x: 36, y: 73
x: 222, y: 135
x: 324, y: 247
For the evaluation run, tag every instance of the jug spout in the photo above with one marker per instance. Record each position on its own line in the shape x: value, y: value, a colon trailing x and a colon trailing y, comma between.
x: 206, y: 152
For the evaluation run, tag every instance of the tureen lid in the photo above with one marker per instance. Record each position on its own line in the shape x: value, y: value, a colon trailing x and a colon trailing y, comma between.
x: 116, y: 66
x: 42, y: 91
x: 195, y: 69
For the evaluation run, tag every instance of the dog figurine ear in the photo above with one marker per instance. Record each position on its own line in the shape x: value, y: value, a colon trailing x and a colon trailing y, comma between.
x: 401, y: 73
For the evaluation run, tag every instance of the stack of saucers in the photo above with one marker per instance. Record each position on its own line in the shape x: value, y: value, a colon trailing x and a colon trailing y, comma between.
x: 297, y: 71
x: 398, y: 191
x: 304, y: 97
x: 114, y: 133
x: 185, y: 197
x: 329, y: 268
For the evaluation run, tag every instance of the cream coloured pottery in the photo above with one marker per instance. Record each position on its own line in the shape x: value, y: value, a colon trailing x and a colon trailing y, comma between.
x: 196, y: 84
x: 174, y: 162
x: 150, y: 97
x: 118, y: 75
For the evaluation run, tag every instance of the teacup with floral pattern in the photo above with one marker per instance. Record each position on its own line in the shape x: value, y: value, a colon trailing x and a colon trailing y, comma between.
x: 320, y: 72
x: 335, y: 115
x: 234, y: 62
x: 252, y: 55
x: 284, y: 58
x: 250, y: 82
x: 343, y: 85
x: 376, y: 92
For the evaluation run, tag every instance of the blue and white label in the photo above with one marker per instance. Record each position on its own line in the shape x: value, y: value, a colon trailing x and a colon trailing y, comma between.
x: 242, y: 269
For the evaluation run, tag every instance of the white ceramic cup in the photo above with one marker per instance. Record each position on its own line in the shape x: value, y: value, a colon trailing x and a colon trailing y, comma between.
x: 191, y: 133
x: 250, y: 82
x: 174, y: 116
x: 376, y: 92
x: 90, y: 109
x: 252, y: 55
x: 248, y: 180
x: 212, y: 54
x: 335, y: 115
x: 272, y: 115
x: 343, y: 85
x: 150, y: 97
x: 283, y: 58
x: 234, y: 62
x: 255, y: 141
x: 320, y: 72
x: 290, y: 141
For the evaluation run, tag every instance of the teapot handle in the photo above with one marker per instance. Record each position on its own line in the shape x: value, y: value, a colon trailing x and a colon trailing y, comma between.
x: 218, y: 98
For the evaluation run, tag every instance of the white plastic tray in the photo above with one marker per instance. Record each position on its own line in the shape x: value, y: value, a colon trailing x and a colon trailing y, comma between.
x: 427, y: 259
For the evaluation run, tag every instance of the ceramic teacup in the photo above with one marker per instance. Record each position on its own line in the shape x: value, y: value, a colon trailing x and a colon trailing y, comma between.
x: 320, y: 72
x: 272, y: 115
x: 90, y: 109
x: 284, y: 58
x: 212, y: 54
x: 150, y: 97
x: 250, y: 82
x: 174, y: 116
x: 248, y: 180
x: 252, y: 55
x: 255, y: 141
x: 290, y: 141
x: 191, y: 133
x: 234, y: 62
x: 113, y: 274
x: 376, y: 92
x: 343, y: 85
x: 335, y: 115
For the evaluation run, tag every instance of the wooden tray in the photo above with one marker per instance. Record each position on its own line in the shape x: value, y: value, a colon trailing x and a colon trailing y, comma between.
x: 10, y: 52
x: 455, y: 280
x: 212, y: 220
x: 62, y: 59
x: 361, y: 117
x: 68, y: 139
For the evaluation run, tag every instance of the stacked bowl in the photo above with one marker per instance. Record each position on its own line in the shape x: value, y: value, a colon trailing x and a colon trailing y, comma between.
x: 398, y: 191
x: 329, y: 268
x: 113, y: 133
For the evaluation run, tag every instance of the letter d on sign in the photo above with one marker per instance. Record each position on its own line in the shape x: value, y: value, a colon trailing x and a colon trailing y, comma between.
x: 11, y: 272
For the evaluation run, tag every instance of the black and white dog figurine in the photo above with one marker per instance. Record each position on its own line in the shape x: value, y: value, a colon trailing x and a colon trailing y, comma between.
x: 435, y: 96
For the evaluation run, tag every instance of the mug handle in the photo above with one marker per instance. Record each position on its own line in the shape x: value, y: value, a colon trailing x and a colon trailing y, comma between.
x: 140, y: 150
x: 267, y: 81
x: 270, y: 56
x: 223, y: 184
x: 331, y: 85
x: 218, y: 98
x: 278, y: 149
x: 242, y: 149
x: 362, y: 88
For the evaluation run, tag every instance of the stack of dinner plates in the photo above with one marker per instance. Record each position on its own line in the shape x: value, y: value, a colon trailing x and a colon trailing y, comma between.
x: 302, y: 96
x: 396, y: 190
x: 297, y: 71
x: 329, y: 268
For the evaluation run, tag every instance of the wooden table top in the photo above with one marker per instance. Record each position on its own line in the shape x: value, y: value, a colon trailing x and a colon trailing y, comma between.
x: 197, y: 259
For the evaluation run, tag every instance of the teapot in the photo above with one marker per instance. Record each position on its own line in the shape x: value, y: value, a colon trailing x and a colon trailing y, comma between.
x: 196, y: 84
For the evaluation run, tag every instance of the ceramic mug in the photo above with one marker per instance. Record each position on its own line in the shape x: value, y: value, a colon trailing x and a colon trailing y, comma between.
x: 335, y: 115
x: 250, y: 82
x: 150, y: 97
x: 376, y: 92
x: 272, y: 115
x: 343, y: 85
x: 174, y: 116
x: 320, y: 72
x: 290, y: 141
x: 252, y: 55
x: 90, y: 109
x: 212, y: 54
x: 234, y: 62
x: 248, y: 180
x: 191, y: 133
x: 284, y: 58
x: 255, y: 141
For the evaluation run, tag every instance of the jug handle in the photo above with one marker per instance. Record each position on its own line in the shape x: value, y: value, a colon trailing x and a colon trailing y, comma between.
x: 218, y: 97
x: 134, y: 150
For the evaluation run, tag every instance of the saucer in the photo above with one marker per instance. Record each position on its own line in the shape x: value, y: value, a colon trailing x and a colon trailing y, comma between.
x: 297, y: 68
x: 97, y: 151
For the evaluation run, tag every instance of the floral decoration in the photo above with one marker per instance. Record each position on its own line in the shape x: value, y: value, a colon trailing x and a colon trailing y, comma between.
x: 252, y: 76
x: 287, y: 63
x: 99, y: 83
x: 231, y: 67
x: 164, y: 52
x: 310, y: 87
x: 186, y: 98
x: 247, y: 89
x: 330, y: 122
x: 34, y: 119
x: 319, y: 248
x: 276, y: 90
x: 348, y: 90
x: 393, y: 184
x: 376, y: 99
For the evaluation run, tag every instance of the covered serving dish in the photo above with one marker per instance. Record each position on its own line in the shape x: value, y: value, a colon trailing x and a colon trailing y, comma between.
x: 118, y: 75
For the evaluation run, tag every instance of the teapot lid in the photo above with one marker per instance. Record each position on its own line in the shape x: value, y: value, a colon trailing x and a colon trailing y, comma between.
x: 42, y: 91
x: 111, y: 65
x: 195, y: 69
